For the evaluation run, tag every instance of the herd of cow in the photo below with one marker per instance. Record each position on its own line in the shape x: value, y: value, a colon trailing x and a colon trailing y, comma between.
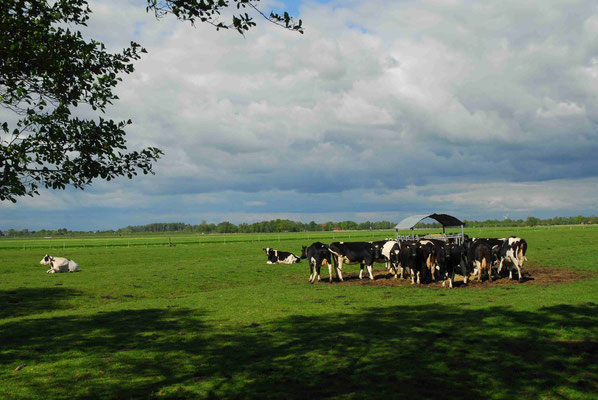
x: 424, y: 260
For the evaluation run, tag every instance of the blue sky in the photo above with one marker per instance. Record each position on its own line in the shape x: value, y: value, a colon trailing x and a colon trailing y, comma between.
x: 380, y: 110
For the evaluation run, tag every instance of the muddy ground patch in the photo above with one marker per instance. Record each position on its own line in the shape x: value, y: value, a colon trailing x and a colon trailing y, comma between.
x: 532, y: 275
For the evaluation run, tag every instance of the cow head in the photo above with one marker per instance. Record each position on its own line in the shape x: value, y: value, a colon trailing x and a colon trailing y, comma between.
x: 303, y: 252
x: 376, y: 250
x: 46, y: 260
x: 271, y: 254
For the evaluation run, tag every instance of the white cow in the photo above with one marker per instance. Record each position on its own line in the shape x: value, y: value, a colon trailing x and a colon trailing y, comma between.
x: 59, y: 264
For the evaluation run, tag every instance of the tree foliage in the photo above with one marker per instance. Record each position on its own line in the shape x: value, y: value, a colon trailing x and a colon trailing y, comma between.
x: 52, y: 79
x: 210, y: 11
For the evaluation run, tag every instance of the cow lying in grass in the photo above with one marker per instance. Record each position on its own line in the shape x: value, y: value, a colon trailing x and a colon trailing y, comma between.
x: 280, y: 257
x: 59, y: 264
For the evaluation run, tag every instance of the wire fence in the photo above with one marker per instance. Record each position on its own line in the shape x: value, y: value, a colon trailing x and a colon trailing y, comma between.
x: 173, y: 240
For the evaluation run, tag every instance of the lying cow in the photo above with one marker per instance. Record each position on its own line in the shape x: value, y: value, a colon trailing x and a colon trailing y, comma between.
x: 317, y: 254
x: 59, y: 264
x: 280, y: 257
x: 352, y: 253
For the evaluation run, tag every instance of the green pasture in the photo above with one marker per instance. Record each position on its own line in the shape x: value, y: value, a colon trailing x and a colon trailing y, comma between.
x: 208, y: 318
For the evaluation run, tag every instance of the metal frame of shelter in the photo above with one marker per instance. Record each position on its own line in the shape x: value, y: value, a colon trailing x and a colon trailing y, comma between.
x: 444, y: 219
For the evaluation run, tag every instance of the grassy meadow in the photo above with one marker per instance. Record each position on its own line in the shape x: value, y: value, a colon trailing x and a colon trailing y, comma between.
x: 208, y: 318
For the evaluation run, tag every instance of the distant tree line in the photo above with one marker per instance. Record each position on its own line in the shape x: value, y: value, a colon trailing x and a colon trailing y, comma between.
x: 276, y: 225
x: 285, y: 225
x: 530, y: 221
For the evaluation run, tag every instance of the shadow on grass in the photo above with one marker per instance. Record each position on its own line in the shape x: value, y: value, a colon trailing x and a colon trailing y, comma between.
x: 28, y: 301
x: 417, y: 352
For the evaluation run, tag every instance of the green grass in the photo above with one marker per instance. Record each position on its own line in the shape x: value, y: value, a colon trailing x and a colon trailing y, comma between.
x: 212, y: 320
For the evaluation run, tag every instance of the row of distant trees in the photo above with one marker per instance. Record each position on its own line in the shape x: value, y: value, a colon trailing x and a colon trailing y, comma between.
x: 530, y: 221
x: 285, y: 225
x: 277, y: 225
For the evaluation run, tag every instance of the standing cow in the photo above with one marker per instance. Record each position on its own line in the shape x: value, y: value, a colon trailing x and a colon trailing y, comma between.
x: 479, y: 256
x: 317, y: 254
x: 387, y: 252
x: 454, y: 259
x: 352, y: 253
x: 407, y: 258
x: 512, y: 253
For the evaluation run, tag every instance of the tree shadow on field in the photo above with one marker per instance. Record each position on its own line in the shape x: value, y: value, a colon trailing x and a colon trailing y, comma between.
x: 414, y: 352
x: 28, y: 301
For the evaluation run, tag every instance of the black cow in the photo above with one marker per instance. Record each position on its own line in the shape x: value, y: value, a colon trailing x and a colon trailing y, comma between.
x: 362, y: 253
x: 407, y: 258
x: 512, y: 254
x: 317, y: 254
x: 454, y: 259
x: 284, y: 257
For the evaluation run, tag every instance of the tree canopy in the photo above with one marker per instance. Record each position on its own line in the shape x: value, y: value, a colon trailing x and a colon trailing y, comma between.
x: 51, y: 76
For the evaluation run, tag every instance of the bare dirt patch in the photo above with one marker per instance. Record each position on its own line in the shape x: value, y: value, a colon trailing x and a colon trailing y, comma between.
x: 532, y: 275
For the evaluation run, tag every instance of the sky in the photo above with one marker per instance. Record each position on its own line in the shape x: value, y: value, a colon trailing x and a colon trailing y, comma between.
x: 382, y: 109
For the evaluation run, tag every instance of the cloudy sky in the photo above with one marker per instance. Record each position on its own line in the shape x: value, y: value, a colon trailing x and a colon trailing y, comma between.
x: 382, y: 109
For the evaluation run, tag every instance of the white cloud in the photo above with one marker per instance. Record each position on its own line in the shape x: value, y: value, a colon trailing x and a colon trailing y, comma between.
x: 377, y: 99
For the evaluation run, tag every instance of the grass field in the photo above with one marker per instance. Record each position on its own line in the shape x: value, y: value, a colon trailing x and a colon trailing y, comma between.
x: 209, y: 319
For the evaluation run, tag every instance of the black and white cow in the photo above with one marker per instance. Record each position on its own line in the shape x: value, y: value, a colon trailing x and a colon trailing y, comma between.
x: 387, y: 252
x: 362, y: 253
x: 479, y: 257
x: 59, y: 264
x: 280, y: 257
x: 317, y: 254
x: 437, y: 256
x: 512, y: 254
x: 495, y: 247
x: 426, y: 260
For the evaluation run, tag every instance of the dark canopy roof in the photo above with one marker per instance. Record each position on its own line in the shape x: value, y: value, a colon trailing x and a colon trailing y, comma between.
x: 443, y: 219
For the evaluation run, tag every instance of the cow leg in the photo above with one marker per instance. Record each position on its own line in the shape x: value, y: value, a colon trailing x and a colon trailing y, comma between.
x: 500, y: 265
x: 464, y: 271
x: 360, y: 270
x: 335, y: 261
x: 487, y: 269
x: 339, y: 270
x: 370, y: 272
x: 518, y: 271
